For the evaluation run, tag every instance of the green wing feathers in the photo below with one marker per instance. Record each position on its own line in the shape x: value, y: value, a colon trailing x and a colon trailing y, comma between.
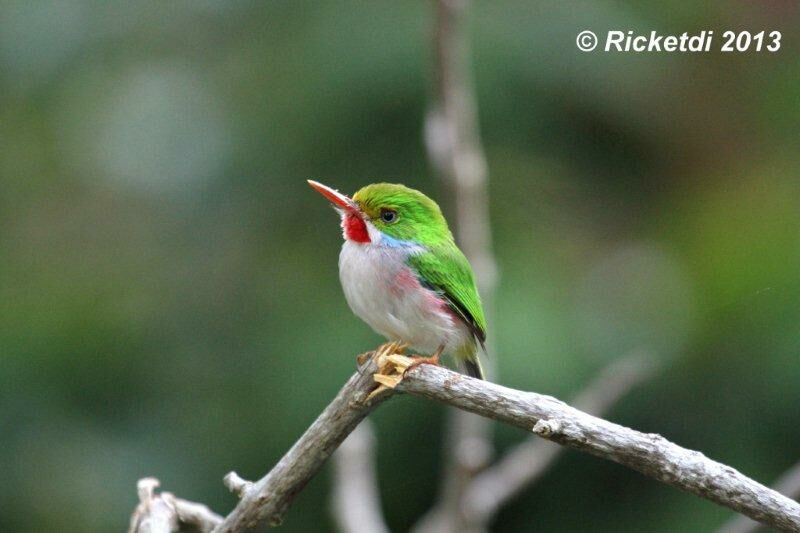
x: 444, y: 269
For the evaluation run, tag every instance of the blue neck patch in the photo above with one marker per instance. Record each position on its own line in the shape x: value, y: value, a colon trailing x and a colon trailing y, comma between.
x: 391, y: 242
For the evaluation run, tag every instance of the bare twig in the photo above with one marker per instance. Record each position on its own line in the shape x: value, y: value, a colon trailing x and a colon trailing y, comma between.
x: 466, y: 450
x: 163, y: 513
x: 654, y: 456
x: 525, y: 463
x: 155, y: 513
x: 266, y: 501
x: 616, y: 380
x: 648, y: 453
x: 788, y: 484
x: 453, y: 140
x: 356, y: 501
x: 195, y: 516
x: 453, y: 143
x: 236, y: 484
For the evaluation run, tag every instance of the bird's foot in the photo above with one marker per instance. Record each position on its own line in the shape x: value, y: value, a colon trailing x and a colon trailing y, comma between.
x: 386, y: 348
x: 391, y: 366
x: 420, y: 360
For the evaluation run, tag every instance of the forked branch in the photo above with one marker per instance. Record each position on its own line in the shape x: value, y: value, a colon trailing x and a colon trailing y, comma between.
x: 266, y: 501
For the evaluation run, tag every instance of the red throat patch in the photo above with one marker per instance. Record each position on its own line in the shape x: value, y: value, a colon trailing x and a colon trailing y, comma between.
x: 355, y: 229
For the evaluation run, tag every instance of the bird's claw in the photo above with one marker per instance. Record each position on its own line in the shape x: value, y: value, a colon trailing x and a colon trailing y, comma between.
x: 391, y: 366
x: 386, y: 348
x: 362, y: 358
x: 420, y: 360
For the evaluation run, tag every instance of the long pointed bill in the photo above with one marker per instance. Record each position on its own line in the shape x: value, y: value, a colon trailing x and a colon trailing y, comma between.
x: 335, y: 197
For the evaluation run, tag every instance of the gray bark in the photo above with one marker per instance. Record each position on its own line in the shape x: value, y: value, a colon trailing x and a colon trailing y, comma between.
x: 266, y: 501
x: 648, y: 453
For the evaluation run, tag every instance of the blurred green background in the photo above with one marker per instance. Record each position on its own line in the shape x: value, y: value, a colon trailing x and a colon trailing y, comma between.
x: 169, y: 297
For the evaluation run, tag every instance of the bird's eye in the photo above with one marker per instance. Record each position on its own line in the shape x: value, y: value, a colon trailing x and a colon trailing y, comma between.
x: 388, y: 215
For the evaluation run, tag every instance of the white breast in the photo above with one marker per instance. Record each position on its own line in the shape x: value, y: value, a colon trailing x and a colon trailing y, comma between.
x: 385, y: 293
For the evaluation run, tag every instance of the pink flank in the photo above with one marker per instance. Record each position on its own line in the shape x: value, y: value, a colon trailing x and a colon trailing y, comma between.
x: 406, y: 281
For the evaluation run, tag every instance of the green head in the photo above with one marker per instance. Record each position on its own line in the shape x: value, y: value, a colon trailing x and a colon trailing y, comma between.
x: 402, y: 213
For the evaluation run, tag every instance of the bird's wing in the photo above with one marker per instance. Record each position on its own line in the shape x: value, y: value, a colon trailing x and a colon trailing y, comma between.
x: 446, y: 270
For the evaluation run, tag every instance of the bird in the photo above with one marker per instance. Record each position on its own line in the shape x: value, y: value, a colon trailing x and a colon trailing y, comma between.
x: 403, y: 274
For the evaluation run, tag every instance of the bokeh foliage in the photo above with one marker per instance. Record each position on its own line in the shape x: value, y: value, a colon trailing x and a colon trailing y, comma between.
x: 169, y: 302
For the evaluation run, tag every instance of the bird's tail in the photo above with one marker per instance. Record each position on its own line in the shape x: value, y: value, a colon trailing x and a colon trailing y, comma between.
x: 473, y: 367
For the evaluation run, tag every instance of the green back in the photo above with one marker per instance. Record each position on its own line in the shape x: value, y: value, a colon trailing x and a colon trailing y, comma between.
x: 445, y: 269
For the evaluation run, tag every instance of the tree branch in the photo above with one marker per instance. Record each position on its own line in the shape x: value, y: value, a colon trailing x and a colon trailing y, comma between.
x: 648, y: 453
x: 267, y: 500
x: 162, y: 513
x: 788, y: 484
x: 356, y: 501
x: 526, y: 462
x: 454, y: 149
x: 453, y: 140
